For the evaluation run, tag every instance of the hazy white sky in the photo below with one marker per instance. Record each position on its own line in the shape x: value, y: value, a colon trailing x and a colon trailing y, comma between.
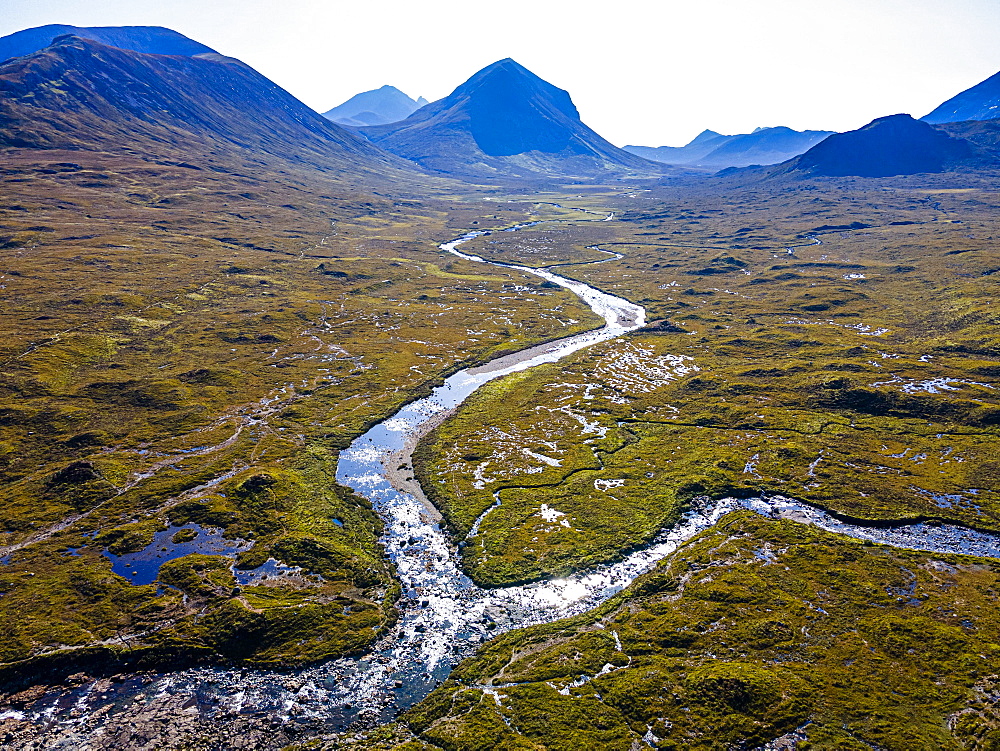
x: 648, y: 73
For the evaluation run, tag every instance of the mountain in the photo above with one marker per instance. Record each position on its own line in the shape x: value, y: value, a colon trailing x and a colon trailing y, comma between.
x: 894, y: 145
x: 506, y: 121
x: 764, y: 146
x: 703, y: 144
x: 981, y: 102
x: 376, y: 107
x: 710, y: 149
x: 705, y: 137
x: 80, y: 94
x: 153, y: 40
x: 983, y: 133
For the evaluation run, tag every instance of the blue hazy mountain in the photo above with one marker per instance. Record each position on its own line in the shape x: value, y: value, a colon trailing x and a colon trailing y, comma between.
x: 981, y: 102
x: 377, y: 107
x: 893, y: 145
x: 703, y: 144
x: 506, y: 121
x: 711, y: 149
x: 153, y: 40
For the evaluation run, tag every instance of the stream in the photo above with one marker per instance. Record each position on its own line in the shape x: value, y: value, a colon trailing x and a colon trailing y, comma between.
x: 444, y: 616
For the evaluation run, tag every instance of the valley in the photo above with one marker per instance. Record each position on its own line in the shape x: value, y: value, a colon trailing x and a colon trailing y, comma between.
x: 471, y: 430
x: 613, y: 408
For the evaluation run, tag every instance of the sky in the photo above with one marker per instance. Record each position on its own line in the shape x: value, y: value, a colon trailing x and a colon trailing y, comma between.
x: 647, y: 73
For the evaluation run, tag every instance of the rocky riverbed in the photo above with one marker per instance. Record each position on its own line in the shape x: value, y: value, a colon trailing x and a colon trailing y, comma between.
x: 443, y: 615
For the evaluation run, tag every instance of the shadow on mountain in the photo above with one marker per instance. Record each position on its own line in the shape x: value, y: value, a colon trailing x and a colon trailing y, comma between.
x: 507, y: 122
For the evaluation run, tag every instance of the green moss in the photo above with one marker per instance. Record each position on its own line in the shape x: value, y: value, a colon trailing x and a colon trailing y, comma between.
x: 818, y: 640
x: 213, y: 512
x: 131, y: 538
x: 198, y: 575
x: 734, y: 686
x: 184, y: 535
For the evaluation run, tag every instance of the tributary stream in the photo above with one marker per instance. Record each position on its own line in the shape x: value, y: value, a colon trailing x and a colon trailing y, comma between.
x: 443, y: 615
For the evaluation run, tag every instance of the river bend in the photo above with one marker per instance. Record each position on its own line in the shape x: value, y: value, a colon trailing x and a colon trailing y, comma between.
x: 443, y: 614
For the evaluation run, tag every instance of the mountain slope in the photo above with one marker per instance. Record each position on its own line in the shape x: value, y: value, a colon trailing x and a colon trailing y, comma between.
x: 506, y: 121
x: 377, y: 107
x: 981, y: 102
x: 983, y: 133
x: 153, y: 40
x: 79, y: 94
x: 894, y: 145
x: 763, y: 146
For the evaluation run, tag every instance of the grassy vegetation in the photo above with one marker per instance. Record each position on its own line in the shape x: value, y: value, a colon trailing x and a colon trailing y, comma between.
x: 749, y: 632
x: 188, y: 343
x: 859, y: 374
x: 194, y: 345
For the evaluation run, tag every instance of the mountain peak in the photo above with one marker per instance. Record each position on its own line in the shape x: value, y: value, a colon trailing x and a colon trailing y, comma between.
x: 511, y: 110
x: 504, y: 119
x: 705, y: 135
x: 376, y: 107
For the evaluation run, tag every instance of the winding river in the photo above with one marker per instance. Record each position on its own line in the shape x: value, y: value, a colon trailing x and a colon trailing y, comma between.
x: 443, y: 614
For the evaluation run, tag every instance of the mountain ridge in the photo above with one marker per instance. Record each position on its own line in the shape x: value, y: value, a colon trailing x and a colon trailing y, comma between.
x: 979, y: 102
x: 80, y: 94
x: 150, y: 40
x: 710, y: 149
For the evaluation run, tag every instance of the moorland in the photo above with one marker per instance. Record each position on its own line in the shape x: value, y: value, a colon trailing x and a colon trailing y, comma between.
x: 210, y: 292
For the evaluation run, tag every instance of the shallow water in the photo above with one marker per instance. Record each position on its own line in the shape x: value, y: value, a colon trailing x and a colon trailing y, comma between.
x: 143, y: 566
x: 443, y: 614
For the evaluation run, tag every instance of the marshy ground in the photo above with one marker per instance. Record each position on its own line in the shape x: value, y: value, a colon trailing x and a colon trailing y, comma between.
x: 182, y: 367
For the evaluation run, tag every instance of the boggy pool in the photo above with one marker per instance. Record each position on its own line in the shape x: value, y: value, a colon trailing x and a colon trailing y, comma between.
x: 444, y: 615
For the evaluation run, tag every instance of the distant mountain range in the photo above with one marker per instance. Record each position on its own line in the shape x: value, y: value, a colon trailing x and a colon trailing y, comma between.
x: 506, y: 121
x: 710, y: 149
x: 377, y: 107
x: 153, y: 40
x: 81, y: 94
x: 151, y: 91
x: 981, y: 102
x: 704, y: 143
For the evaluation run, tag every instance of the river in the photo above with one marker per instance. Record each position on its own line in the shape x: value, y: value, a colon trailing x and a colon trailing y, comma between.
x: 443, y: 614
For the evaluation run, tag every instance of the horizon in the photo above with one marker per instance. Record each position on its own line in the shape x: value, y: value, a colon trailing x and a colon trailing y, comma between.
x: 852, y: 61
